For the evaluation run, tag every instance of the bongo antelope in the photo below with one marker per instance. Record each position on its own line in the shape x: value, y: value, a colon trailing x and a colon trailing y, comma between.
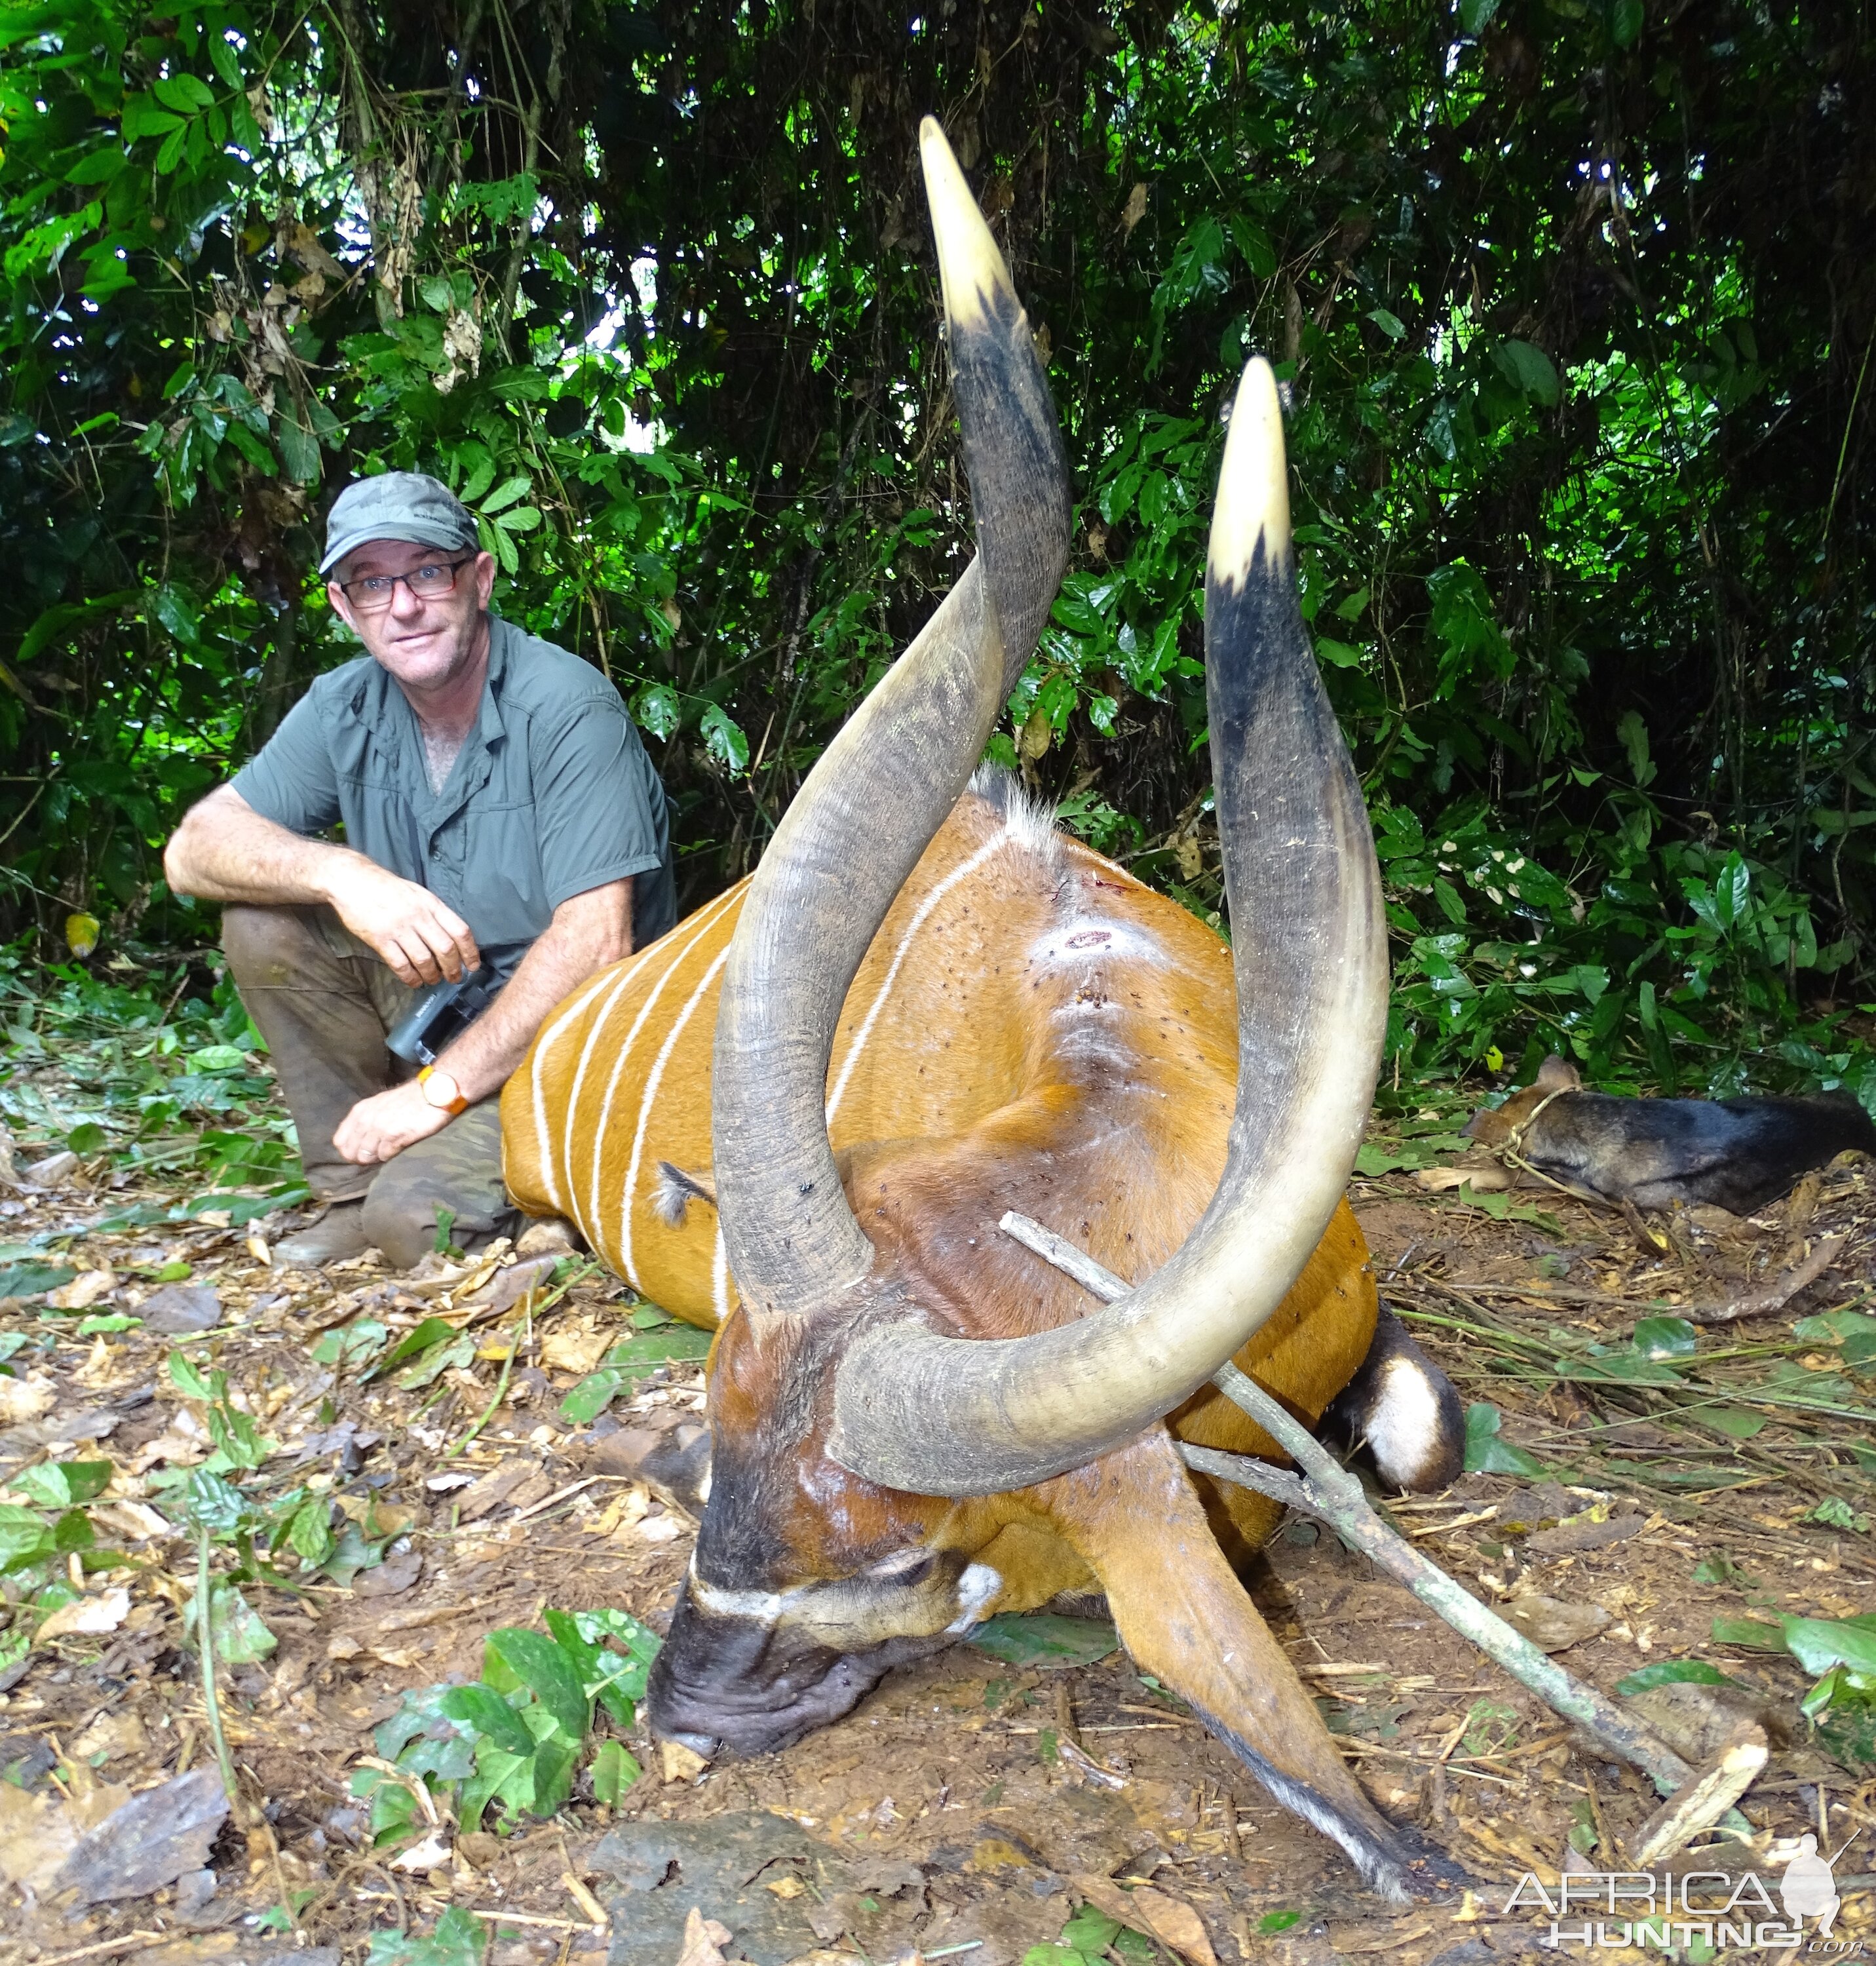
x: 799, y: 1117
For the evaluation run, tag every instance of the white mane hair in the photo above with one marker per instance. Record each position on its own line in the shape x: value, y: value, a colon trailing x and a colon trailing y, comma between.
x: 1029, y: 821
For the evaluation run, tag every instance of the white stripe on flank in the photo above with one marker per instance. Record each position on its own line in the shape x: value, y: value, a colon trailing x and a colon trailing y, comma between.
x: 919, y: 918
x: 719, y: 1276
x: 542, y: 1045
x: 579, y: 1073
x: 644, y: 1105
x: 704, y: 918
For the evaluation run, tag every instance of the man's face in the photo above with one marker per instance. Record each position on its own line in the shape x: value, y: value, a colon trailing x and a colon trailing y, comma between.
x: 426, y: 640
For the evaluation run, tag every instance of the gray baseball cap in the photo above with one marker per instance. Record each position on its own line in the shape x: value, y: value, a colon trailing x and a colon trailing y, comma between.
x: 396, y: 505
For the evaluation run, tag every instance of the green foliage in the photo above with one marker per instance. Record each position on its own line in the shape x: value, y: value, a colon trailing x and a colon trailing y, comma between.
x: 1088, y: 1937
x: 1045, y: 1639
x: 158, y: 1072
x: 1671, y: 1672
x: 627, y: 1364
x: 1578, y: 429
x: 1841, y: 1702
x: 1488, y: 1452
x: 514, y: 1738
x: 458, y: 1939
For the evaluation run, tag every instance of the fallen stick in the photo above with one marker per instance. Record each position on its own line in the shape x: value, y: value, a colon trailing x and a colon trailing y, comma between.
x: 1776, y: 1295
x: 1326, y: 1490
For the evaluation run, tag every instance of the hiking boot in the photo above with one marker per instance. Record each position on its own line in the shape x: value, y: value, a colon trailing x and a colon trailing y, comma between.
x: 338, y: 1235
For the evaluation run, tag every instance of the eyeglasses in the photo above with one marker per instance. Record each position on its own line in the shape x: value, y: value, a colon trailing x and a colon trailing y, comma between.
x: 430, y: 582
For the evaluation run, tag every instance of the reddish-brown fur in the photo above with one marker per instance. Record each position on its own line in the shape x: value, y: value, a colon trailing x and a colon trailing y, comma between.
x: 1057, y: 1040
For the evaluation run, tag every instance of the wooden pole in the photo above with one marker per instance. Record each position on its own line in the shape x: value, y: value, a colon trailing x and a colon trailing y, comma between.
x: 1326, y: 1490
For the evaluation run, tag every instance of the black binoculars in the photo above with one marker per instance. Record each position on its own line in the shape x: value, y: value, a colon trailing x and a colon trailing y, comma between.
x: 439, y: 1014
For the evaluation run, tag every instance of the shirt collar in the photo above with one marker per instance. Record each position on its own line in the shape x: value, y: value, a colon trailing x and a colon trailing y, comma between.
x: 489, y: 722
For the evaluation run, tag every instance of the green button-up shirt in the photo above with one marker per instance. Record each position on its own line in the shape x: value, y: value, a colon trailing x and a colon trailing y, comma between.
x: 551, y: 795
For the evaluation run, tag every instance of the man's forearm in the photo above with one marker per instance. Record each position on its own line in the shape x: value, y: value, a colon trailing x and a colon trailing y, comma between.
x: 225, y: 851
x: 586, y: 934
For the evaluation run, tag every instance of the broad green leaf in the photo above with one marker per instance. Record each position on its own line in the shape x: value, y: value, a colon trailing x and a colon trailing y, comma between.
x: 419, y: 1712
x: 460, y: 1938
x: 485, y: 1709
x: 616, y: 1679
x: 724, y: 737
x: 34, y: 1279
x: 58, y: 1484
x: 25, y: 1537
x: 498, y: 1773
x: 1488, y: 1452
x: 655, y: 708
x: 1672, y: 1672
x: 428, y: 1332
x: 310, y: 1531
x: 1665, y: 1338
x: 505, y: 493
x: 629, y: 1362
x: 533, y: 1660
x: 456, y: 1352
x: 593, y: 1394
x: 218, y: 1058
x: 190, y: 1381
x: 556, y: 1760
x: 1529, y: 368
x: 240, y: 1635
x: 186, y: 93
x: 143, y: 118
x: 1854, y: 1330
x: 1091, y: 1931
x: 73, y: 1531
x: 614, y: 1770
x: 644, y: 1353
x: 351, y: 1553
x: 1818, y: 1644
x: 214, y: 1504
x: 636, y: 1638
x: 1753, y: 1631
x: 1045, y: 1639
x: 353, y: 1345
x: 299, y: 451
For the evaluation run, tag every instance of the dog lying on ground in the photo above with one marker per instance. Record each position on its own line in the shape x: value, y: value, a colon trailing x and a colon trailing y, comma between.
x: 1737, y: 1153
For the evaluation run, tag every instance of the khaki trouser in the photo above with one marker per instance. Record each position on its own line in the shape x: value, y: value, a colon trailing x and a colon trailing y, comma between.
x: 324, y: 1002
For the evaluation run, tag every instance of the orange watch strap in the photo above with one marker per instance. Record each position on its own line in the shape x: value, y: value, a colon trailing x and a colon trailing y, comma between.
x: 458, y: 1104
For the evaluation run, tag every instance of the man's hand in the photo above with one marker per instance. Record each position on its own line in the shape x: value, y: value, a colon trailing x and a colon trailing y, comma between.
x: 225, y: 851
x: 386, y: 1123
x: 407, y: 927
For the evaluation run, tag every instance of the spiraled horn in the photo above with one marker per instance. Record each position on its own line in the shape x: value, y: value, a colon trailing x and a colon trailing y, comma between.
x: 881, y: 790
x: 916, y: 1410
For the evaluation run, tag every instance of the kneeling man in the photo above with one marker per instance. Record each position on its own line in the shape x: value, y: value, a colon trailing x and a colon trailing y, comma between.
x: 498, y: 809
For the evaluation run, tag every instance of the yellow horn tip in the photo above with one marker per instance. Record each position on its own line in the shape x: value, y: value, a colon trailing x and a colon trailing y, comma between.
x: 969, y: 265
x: 1253, y: 501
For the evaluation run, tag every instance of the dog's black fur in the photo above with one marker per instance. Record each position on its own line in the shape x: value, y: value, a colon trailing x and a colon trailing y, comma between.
x: 1737, y: 1153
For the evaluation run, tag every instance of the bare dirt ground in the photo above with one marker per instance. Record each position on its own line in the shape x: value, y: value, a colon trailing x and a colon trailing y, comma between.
x: 971, y: 1806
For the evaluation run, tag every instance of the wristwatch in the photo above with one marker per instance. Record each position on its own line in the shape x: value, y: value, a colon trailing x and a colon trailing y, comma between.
x: 441, y: 1091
